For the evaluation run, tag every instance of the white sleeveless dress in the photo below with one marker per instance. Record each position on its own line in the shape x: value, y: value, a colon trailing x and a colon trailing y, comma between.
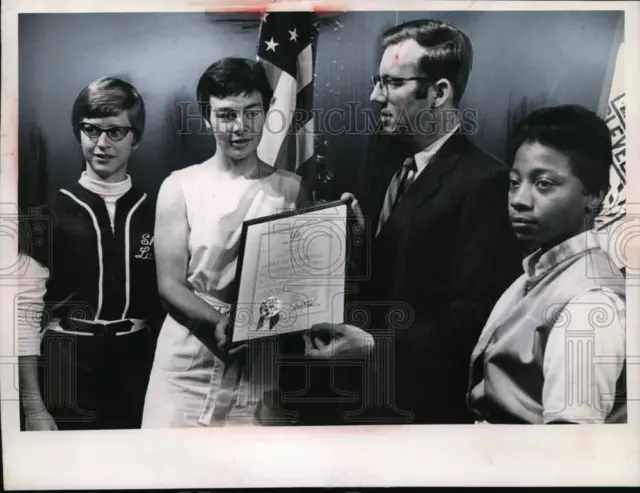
x: 188, y: 384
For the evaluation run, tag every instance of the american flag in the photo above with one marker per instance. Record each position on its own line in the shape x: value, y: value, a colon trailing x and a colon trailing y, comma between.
x: 615, y: 201
x: 287, y: 51
x: 610, y: 221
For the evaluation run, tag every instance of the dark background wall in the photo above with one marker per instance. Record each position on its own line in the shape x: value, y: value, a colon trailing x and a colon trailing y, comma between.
x: 522, y: 60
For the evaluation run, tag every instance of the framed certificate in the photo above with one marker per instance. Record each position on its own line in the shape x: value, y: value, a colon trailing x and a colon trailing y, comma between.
x: 291, y: 272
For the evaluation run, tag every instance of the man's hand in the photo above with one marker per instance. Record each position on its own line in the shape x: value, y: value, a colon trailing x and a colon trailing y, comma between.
x: 222, y: 327
x: 346, y: 340
x: 355, y: 208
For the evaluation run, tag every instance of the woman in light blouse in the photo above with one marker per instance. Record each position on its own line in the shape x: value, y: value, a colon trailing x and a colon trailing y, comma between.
x: 201, y: 208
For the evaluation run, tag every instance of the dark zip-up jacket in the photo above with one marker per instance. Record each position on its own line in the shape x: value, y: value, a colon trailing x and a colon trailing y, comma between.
x: 96, y: 273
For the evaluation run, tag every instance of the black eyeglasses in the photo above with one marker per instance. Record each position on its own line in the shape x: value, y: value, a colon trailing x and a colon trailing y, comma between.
x: 385, y: 80
x: 114, y: 133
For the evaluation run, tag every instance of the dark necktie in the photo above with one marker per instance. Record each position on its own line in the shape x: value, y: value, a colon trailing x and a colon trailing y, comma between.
x: 395, y: 191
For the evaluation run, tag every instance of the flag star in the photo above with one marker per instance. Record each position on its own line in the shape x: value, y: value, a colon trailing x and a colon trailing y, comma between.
x: 264, y: 17
x: 271, y: 45
x: 294, y: 35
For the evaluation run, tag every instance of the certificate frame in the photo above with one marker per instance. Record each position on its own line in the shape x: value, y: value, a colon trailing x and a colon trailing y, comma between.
x: 241, y: 263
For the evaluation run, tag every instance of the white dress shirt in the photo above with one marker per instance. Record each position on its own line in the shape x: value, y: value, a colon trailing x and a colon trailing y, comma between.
x: 426, y: 155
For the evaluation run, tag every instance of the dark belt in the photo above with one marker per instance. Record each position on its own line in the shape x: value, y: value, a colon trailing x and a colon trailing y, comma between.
x: 99, y: 329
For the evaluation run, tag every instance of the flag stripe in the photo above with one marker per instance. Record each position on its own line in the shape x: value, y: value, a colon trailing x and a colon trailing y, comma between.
x: 305, y: 142
x: 279, y: 117
x: 305, y: 67
x: 304, y: 101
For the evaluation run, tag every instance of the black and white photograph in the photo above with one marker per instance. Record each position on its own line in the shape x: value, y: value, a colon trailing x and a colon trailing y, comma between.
x: 237, y: 233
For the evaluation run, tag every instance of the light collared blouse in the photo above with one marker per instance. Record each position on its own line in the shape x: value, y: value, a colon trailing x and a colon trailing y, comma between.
x: 553, y: 349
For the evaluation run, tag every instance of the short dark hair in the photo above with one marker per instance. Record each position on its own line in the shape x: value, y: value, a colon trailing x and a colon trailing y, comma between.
x: 109, y: 96
x: 449, y: 53
x: 576, y: 132
x: 232, y: 77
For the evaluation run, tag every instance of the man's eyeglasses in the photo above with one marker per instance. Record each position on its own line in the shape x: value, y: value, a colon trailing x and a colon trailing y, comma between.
x: 94, y: 132
x: 385, y: 81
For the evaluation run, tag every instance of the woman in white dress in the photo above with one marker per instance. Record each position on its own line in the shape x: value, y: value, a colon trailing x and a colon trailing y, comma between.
x: 199, y: 215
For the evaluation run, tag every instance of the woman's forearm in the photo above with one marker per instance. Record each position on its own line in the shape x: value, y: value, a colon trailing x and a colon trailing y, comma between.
x: 29, y: 386
x: 192, y: 312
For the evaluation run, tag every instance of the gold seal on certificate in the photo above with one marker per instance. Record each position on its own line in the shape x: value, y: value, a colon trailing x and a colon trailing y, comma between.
x: 269, y: 310
x: 291, y: 272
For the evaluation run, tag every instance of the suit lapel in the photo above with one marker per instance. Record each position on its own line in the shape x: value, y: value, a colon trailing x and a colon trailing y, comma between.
x: 429, y: 181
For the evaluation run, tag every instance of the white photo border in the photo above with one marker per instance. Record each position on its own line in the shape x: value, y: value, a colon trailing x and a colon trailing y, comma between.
x: 353, y: 456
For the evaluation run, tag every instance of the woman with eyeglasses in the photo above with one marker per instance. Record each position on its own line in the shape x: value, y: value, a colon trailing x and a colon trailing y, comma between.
x: 196, y: 381
x: 101, y: 292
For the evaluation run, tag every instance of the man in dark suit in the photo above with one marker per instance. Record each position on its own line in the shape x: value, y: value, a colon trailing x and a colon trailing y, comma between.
x: 442, y: 249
